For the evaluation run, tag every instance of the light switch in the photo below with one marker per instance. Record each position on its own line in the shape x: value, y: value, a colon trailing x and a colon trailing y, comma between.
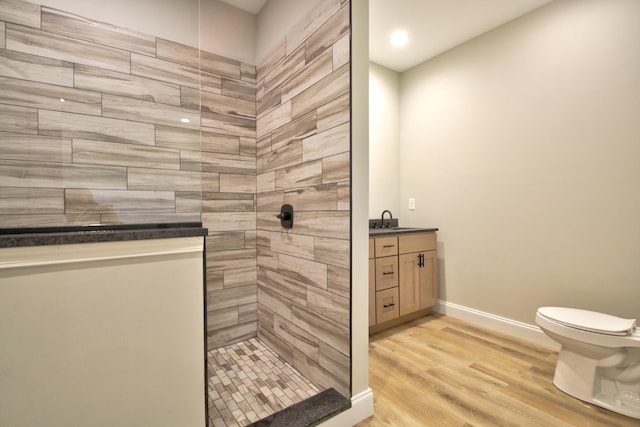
x: 412, y: 204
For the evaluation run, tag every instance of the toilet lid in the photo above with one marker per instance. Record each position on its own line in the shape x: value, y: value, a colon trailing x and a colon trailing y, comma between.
x: 590, y: 321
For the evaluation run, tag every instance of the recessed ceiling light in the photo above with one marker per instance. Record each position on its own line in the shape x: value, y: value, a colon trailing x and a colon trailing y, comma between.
x: 399, y: 38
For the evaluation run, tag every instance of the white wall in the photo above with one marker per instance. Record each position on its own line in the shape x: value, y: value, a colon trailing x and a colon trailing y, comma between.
x: 523, y: 146
x: 384, y: 140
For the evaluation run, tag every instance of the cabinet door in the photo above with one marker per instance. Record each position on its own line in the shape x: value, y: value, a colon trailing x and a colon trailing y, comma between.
x: 429, y: 280
x: 410, y: 283
x: 372, y: 292
x: 386, y: 272
x: 386, y: 305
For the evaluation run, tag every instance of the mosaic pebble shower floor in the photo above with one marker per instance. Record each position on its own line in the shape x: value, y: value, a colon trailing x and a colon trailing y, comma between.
x: 248, y: 381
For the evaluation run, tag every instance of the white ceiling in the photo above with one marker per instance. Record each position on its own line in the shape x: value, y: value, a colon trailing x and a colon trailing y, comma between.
x: 435, y: 26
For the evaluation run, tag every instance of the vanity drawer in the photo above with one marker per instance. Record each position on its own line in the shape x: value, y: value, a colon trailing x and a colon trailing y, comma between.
x: 387, y: 307
x: 386, y: 272
x: 386, y: 246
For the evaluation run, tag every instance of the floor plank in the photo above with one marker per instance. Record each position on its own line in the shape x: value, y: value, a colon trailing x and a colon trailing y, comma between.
x: 442, y: 371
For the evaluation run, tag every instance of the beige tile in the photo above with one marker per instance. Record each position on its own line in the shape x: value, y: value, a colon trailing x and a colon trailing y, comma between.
x: 58, y: 175
x: 114, y: 154
x: 229, y: 125
x: 266, y: 182
x: 227, y: 105
x: 329, y: 88
x: 47, y: 220
x: 304, y: 174
x: 223, y: 318
x: 224, y: 241
x: 224, y: 144
x: 41, y: 43
x: 268, y: 102
x: 56, y: 21
x: 216, y: 64
x: 71, y: 125
x: 245, y: 90
x: 237, y: 183
x: 323, y: 224
x: 232, y: 334
x: 271, y: 201
x: 211, y: 82
x: 35, y: 68
x: 334, y: 113
x: 108, y: 201
x: 331, y: 31
x: 338, y: 364
x: 15, y: 146
x: 190, y: 98
x: 248, y: 313
x: 127, y: 85
x: 177, y: 52
x: 267, y: 221
x: 28, y: 201
x: 344, y: 196
x: 222, y: 221
x: 119, y: 107
x: 273, y: 341
x: 20, y: 12
x: 263, y: 144
x: 248, y: 73
x: 231, y: 297
x: 240, y: 277
x: 311, y: 23
x: 18, y: 119
x: 325, y: 329
x: 284, y: 157
x: 341, y: 52
x: 166, y: 71
x: 229, y: 202
x: 276, y: 302
x: 297, y: 337
x: 312, y: 73
x: 277, y: 55
x: 339, y: 280
x: 182, y: 139
x: 42, y: 95
x: 286, y: 287
x: 228, y: 163
x: 303, y: 270
x: 274, y: 119
x: 266, y: 260
x: 160, y: 179
x: 277, y: 75
x: 251, y: 238
x: 333, y: 251
x: 319, y: 197
x: 188, y: 201
x: 3, y: 28
x: 289, y: 243
x: 147, y: 217
x: 330, y: 305
x: 328, y: 143
x: 248, y: 146
x: 336, y: 168
x: 297, y: 129
x: 225, y: 260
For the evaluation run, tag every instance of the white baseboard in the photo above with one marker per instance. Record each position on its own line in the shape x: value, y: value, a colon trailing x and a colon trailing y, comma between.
x: 491, y: 321
x: 361, y: 408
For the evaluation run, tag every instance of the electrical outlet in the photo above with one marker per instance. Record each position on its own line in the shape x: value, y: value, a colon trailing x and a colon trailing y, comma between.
x: 412, y: 204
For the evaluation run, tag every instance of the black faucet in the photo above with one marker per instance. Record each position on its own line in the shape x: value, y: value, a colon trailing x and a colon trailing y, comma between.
x: 382, y: 219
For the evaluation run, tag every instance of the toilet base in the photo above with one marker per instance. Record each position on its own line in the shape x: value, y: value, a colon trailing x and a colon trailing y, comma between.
x: 582, y: 378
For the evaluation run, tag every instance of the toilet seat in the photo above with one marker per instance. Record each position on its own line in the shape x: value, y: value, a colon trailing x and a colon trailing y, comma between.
x: 589, y: 321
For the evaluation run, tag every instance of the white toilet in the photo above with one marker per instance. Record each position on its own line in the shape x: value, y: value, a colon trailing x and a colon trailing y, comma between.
x: 599, y: 359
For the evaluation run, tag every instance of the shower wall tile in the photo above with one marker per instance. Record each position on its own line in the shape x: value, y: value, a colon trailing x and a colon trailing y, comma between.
x: 216, y: 64
x: 20, y: 12
x: 57, y: 175
x: 177, y: 52
x: 341, y: 52
x: 302, y: 175
x: 67, y: 24
x: 18, y: 119
x: 334, y: 224
x: 16, y: 146
x: 292, y: 244
x: 71, y: 125
x: 223, y: 221
x: 107, y: 201
x: 325, y: 144
x: 303, y: 270
x: 334, y: 252
x: 119, y: 107
x: 2, y: 34
x: 326, y: 329
x: 316, y: 20
x: 238, y: 89
x: 344, y: 196
x: 190, y: 98
x: 248, y: 74
x: 34, y: 68
x: 114, y: 83
x: 312, y: 73
x: 227, y: 105
x: 291, y: 65
x: 319, y: 197
x: 336, y: 84
x: 326, y: 37
x: 46, y: 96
x: 286, y: 287
x: 237, y: 183
x: 47, y: 220
x: 224, y: 241
x: 182, y: 139
x: 228, y: 202
x: 248, y: 147
x: 221, y: 337
x: 223, y: 318
x: 336, y: 168
x: 294, y: 130
x: 329, y: 305
x: 41, y: 43
x: 231, y: 297
x: 26, y: 201
x: 161, y: 179
x: 338, y: 280
x: 334, y: 113
x: 298, y: 338
x: 165, y: 71
x: 106, y: 153
x: 228, y: 125
x: 240, y: 277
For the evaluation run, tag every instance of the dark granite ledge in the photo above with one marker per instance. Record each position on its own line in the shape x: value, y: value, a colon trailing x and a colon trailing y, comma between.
x: 65, y: 235
x: 309, y: 412
x: 398, y: 230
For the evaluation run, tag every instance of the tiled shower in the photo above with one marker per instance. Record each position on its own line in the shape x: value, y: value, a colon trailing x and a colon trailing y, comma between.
x: 102, y: 124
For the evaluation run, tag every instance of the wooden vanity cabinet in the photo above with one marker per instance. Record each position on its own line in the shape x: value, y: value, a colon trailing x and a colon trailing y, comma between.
x: 403, y: 278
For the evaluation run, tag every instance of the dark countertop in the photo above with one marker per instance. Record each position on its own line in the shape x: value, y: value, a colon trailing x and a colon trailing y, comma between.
x: 64, y: 235
x: 374, y: 232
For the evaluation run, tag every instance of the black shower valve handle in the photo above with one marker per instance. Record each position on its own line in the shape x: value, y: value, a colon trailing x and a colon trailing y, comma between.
x: 286, y: 216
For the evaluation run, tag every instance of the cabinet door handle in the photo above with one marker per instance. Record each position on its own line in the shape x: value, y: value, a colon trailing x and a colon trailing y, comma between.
x: 421, y: 260
x: 388, y: 246
x: 389, y: 305
x: 386, y: 273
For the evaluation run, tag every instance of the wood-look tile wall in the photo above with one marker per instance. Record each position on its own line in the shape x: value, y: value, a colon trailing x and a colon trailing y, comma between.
x: 303, y: 158
x: 116, y: 151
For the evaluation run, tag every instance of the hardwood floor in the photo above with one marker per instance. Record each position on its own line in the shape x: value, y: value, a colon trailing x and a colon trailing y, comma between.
x: 441, y: 371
